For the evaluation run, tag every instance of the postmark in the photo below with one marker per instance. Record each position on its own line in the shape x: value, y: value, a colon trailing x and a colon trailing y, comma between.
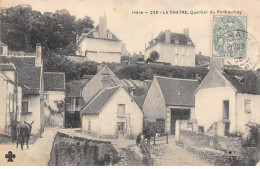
x: 251, y: 61
x: 227, y: 41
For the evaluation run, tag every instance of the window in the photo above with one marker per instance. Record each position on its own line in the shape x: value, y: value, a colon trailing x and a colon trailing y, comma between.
x: 188, y: 62
x: 89, y: 125
x: 25, y: 106
x: 247, y: 105
x: 201, y: 129
x: 189, y: 43
x: 176, y: 50
x: 109, y: 35
x: 188, y: 52
x: 181, y: 61
x: 78, y: 102
x: 121, y: 110
x: 11, y: 102
x: 183, y: 51
x: 1, y: 50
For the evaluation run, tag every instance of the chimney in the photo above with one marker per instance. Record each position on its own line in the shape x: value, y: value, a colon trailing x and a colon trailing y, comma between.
x: 168, y: 36
x: 102, y: 27
x: 38, y: 60
x: 4, y: 49
x: 217, y: 63
x: 199, y: 53
x: 186, y: 32
x: 132, y: 92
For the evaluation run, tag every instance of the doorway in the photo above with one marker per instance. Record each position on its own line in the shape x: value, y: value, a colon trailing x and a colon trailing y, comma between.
x: 120, y: 130
x: 178, y: 114
x: 225, y: 109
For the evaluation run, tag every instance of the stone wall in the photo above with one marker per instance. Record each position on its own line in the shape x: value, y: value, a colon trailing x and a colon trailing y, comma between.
x: 77, y: 151
x: 220, y: 150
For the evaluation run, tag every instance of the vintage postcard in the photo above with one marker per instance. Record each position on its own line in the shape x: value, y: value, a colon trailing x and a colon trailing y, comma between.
x: 129, y: 83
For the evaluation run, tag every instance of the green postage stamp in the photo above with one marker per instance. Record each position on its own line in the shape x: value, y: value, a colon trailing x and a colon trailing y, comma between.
x: 229, y: 36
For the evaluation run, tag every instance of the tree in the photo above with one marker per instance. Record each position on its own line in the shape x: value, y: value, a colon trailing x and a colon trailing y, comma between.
x: 22, y: 27
x: 154, y: 55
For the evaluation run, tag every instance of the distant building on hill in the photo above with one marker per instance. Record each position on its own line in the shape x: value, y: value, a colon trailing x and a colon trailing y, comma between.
x: 174, y: 48
x: 99, y: 45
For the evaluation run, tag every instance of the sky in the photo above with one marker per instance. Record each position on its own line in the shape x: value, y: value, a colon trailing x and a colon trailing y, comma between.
x: 137, y: 29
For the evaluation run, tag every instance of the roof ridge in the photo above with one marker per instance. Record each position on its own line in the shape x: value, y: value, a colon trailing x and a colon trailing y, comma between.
x: 175, y: 78
x: 55, y: 72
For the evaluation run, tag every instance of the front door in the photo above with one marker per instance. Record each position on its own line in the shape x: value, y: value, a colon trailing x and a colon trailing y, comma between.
x: 120, y: 129
x: 226, y: 109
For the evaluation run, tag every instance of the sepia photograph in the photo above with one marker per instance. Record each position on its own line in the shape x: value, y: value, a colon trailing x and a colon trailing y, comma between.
x: 129, y: 83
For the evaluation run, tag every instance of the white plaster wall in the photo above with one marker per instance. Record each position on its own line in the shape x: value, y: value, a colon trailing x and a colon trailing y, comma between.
x: 154, y: 105
x: 168, y: 54
x: 101, y: 45
x: 244, y: 117
x: 209, y: 106
x: 104, y: 57
x: 95, y: 123
x: 3, y: 103
x: 108, y: 116
x: 34, y: 107
x: 55, y: 96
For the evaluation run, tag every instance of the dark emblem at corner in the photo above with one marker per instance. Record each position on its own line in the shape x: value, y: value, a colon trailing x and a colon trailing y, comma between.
x: 10, y: 156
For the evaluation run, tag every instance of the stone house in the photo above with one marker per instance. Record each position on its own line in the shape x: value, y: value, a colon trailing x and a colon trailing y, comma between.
x: 104, y: 78
x: 168, y: 100
x: 112, y: 113
x: 10, y: 98
x: 99, y: 45
x: 30, y: 77
x: 174, y: 48
x: 54, y: 91
x: 226, y: 100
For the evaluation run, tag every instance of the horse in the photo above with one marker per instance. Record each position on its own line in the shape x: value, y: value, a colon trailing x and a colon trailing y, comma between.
x: 23, y: 133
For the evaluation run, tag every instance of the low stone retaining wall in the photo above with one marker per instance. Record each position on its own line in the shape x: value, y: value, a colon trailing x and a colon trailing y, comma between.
x: 217, y: 149
x: 78, y: 151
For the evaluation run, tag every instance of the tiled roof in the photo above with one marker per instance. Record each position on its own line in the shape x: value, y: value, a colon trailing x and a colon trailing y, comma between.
x: 139, y: 100
x: 183, y: 39
x: 245, y: 81
x: 91, y: 35
x: 28, y: 74
x: 98, y: 102
x: 73, y: 89
x: 178, y: 92
x: 148, y: 83
x: 54, y: 81
x: 7, y: 67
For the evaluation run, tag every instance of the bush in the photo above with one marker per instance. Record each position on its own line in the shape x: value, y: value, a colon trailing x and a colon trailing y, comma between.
x: 252, y: 138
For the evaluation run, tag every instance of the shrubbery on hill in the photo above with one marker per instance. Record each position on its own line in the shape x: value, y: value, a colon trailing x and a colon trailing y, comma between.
x: 147, y: 71
x: 74, y: 71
